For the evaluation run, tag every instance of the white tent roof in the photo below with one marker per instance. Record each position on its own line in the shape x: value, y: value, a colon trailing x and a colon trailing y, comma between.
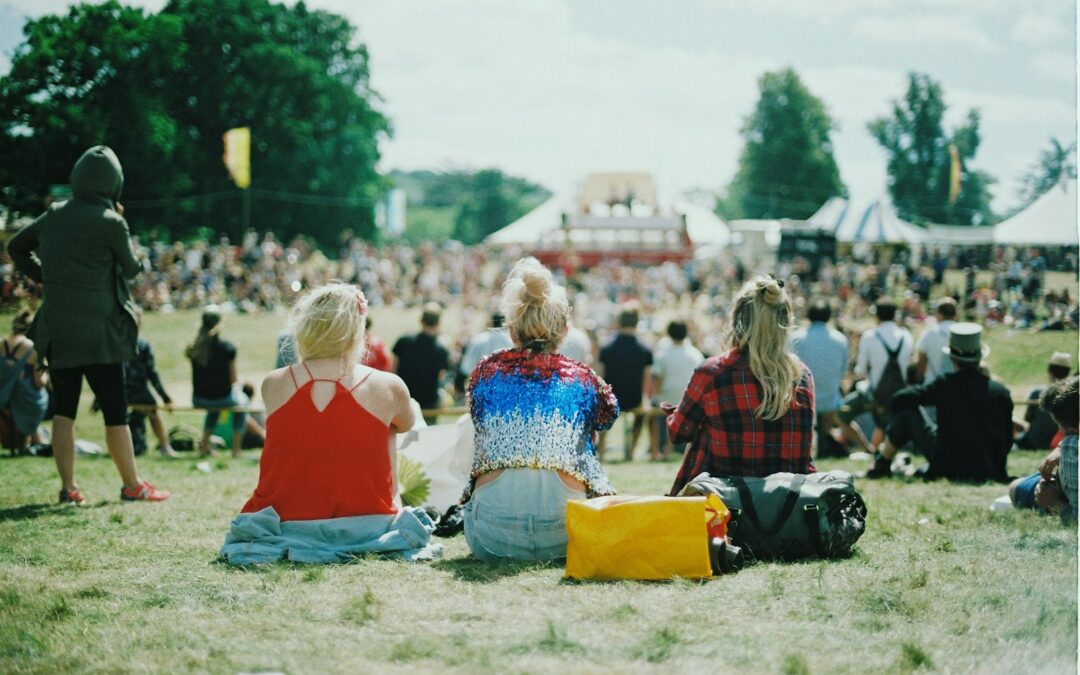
x: 1050, y: 220
x: 528, y: 228
x: 873, y: 222
x: 703, y: 226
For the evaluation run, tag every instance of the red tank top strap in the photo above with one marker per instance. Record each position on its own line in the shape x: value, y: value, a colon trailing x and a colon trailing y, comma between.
x: 362, y: 379
x: 293, y: 375
x: 308, y: 370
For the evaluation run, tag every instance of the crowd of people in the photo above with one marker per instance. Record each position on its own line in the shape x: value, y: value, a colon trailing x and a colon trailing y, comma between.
x: 746, y: 393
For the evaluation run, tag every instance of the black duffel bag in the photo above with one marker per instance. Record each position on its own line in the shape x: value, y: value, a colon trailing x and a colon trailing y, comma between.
x: 789, y: 515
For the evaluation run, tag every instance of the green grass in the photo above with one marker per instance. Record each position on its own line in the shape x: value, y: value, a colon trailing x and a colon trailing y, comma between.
x: 939, y: 582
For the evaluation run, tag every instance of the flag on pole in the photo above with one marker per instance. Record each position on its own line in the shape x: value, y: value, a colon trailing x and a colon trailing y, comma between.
x: 954, y: 173
x: 238, y: 155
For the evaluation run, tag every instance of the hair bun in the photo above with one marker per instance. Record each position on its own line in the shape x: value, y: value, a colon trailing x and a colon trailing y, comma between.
x: 535, y: 288
x: 770, y: 291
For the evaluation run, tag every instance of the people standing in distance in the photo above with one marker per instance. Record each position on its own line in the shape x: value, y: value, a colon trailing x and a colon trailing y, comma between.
x: 422, y: 361
x: 626, y: 363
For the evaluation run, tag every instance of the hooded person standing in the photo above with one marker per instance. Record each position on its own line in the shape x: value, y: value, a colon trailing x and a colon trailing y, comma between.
x: 80, y: 251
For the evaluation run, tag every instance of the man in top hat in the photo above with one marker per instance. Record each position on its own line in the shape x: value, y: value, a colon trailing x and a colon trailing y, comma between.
x: 1039, y: 428
x: 973, y: 434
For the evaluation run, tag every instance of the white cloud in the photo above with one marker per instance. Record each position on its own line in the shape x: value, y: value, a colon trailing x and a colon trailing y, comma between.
x: 1058, y: 66
x: 928, y: 31
x: 1041, y: 28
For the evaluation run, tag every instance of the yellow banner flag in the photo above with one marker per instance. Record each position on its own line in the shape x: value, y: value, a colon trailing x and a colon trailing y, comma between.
x: 238, y: 155
x: 954, y: 173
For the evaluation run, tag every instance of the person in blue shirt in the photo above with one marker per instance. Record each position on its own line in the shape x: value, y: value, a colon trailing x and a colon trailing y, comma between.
x: 825, y: 352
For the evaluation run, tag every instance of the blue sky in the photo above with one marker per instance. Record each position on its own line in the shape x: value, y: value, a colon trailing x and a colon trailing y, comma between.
x: 553, y: 90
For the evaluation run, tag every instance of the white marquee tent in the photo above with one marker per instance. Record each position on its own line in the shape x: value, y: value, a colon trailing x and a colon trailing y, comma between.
x: 873, y: 222
x: 1049, y: 221
x: 703, y: 226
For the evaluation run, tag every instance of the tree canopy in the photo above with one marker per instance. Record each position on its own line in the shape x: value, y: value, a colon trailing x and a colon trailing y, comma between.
x: 920, y: 160
x: 1055, y: 164
x: 161, y: 89
x: 787, y: 168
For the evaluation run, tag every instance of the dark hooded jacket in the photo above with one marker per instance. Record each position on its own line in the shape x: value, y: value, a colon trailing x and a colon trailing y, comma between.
x: 81, y: 252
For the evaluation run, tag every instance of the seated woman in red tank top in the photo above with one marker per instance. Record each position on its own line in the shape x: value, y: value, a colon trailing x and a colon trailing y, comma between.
x: 331, y: 423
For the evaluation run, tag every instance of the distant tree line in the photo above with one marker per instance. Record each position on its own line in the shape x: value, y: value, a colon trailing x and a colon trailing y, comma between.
x: 462, y: 204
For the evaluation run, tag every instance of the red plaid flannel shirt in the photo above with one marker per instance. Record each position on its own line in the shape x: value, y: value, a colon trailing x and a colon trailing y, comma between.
x: 716, y: 416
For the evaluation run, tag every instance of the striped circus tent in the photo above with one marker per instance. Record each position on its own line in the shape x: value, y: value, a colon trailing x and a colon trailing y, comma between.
x: 873, y: 222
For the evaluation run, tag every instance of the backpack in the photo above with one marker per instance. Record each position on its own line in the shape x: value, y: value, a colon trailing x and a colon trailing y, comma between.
x: 788, y: 516
x: 892, y: 379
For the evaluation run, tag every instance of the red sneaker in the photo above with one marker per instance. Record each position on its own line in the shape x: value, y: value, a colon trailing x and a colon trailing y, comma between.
x: 72, y: 496
x: 143, y: 492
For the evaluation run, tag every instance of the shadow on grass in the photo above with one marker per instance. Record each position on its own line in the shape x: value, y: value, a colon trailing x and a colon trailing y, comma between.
x: 29, y: 511
x: 476, y: 571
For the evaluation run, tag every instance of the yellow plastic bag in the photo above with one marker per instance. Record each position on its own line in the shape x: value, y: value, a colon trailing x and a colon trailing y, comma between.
x: 623, y: 537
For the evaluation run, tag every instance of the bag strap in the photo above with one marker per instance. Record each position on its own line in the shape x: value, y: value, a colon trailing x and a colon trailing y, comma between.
x: 785, y: 511
x: 812, y: 517
x: 893, y: 353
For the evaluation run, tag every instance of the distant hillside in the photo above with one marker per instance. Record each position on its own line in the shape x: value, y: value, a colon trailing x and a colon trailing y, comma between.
x: 463, y: 205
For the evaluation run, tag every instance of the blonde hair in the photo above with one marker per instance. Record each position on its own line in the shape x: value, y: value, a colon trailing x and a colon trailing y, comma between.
x: 328, y: 322
x: 535, y: 307
x: 759, y: 328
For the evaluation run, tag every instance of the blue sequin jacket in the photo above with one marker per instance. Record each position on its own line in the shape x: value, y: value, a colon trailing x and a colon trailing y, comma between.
x: 539, y: 411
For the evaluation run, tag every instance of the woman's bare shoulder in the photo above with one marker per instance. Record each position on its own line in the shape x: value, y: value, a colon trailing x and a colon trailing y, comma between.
x: 277, y: 387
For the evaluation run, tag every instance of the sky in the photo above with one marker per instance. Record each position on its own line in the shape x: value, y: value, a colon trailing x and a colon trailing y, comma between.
x: 553, y: 90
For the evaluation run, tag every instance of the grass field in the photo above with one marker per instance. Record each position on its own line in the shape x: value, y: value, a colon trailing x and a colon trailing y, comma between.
x: 938, y: 583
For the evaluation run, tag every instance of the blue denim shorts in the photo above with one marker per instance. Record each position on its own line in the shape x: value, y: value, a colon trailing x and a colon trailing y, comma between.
x: 521, y: 515
x: 235, y: 398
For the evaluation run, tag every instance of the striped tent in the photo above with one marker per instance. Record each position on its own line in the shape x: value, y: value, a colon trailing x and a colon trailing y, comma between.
x: 865, y: 222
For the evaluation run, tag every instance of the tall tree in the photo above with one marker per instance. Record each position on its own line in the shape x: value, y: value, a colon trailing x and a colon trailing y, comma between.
x: 787, y: 168
x: 161, y: 89
x: 1055, y: 164
x: 98, y: 74
x: 921, y: 160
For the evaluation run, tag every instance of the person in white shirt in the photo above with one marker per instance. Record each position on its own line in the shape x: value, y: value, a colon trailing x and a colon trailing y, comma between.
x: 672, y: 369
x: 931, y: 362
x: 486, y: 342
x: 577, y: 346
x: 874, y: 347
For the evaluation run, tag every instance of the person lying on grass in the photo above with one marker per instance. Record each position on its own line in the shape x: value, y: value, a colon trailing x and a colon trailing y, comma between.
x: 328, y: 469
x: 536, y: 415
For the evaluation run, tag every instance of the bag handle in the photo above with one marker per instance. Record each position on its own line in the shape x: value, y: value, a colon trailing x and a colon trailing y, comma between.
x: 785, y: 512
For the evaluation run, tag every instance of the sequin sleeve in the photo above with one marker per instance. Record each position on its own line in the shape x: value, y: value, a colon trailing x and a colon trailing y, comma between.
x: 607, y: 406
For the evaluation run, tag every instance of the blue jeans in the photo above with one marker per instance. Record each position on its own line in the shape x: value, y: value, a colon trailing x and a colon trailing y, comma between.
x: 521, y: 515
x: 1024, y: 494
x: 235, y: 398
